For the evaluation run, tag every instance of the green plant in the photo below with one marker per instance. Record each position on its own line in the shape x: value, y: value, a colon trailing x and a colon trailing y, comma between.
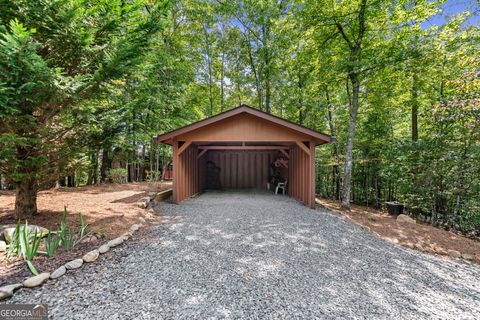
x: 29, y: 246
x: 83, y: 227
x: 13, y: 247
x: 68, y: 237
x: 25, y: 244
x: 118, y: 175
x: 52, y: 242
x: 153, y: 175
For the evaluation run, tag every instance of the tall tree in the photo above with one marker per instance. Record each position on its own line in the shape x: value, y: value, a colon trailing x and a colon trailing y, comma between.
x: 55, y: 54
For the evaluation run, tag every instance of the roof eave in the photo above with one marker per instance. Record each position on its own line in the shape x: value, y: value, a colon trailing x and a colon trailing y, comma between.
x: 167, y: 138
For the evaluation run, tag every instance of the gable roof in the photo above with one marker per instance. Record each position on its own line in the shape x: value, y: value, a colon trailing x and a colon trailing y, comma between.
x: 315, y: 135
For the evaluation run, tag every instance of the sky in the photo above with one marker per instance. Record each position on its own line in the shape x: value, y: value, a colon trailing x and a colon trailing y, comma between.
x: 452, y: 8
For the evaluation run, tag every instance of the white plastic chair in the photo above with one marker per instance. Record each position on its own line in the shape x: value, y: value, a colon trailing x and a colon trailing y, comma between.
x: 281, y: 185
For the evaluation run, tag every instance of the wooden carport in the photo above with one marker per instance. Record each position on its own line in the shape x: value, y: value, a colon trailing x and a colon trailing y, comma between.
x: 241, y: 144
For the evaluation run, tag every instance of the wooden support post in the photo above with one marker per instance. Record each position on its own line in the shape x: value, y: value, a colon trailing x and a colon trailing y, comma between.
x: 312, y: 177
x: 175, y: 164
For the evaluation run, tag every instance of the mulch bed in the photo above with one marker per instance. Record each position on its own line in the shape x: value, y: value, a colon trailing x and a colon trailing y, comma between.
x: 109, y: 210
x: 420, y: 235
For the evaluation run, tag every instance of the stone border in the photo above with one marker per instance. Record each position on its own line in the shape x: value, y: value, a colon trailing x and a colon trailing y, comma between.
x: 414, y: 246
x: 8, y: 290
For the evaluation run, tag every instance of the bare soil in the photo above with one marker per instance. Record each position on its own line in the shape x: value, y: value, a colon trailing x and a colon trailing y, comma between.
x: 420, y: 236
x: 109, y: 210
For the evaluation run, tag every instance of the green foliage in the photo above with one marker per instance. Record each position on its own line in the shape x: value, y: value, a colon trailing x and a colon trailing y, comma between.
x: 25, y: 244
x: 14, y: 246
x: 69, y: 237
x: 84, y: 86
x: 83, y: 227
x: 154, y: 175
x: 52, y: 243
x: 55, y: 56
x: 118, y: 175
x: 66, y: 233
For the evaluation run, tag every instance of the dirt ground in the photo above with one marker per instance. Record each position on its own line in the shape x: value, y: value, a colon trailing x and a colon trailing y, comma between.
x: 418, y: 236
x: 109, y: 210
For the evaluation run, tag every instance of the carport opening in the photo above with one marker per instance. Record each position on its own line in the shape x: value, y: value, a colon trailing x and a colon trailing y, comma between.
x: 242, y: 169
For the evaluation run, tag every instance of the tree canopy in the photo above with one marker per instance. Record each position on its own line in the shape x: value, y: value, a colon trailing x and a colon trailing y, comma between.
x: 85, y: 85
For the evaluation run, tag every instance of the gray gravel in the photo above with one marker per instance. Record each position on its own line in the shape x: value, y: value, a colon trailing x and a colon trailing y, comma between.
x: 249, y: 255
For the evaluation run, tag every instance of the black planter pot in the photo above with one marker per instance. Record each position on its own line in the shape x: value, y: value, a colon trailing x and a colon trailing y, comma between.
x: 394, y: 208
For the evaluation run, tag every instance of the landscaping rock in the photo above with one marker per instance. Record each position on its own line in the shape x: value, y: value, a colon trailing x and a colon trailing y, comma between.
x: 36, y: 281
x: 126, y: 236
x: 418, y: 247
x: 392, y: 240
x: 115, y: 242
x: 440, y: 251
x: 58, y: 273
x: 408, y: 245
x: 152, y: 195
x: 90, y: 239
x: 141, y: 219
x: 430, y: 250
x: 134, y: 227
x: 9, y: 230
x: 467, y: 256
x: 91, y: 256
x: 454, y: 254
x: 7, y: 291
x: 3, y: 246
x: 405, y: 218
x: 103, y: 248
x: 144, y: 202
x: 74, y: 264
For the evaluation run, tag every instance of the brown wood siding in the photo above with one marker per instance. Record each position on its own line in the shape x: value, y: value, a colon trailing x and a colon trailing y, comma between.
x: 243, y: 127
x: 300, y: 172
x: 187, y: 180
x: 242, y: 169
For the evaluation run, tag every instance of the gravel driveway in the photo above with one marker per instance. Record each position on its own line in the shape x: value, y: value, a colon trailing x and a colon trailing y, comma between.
x: 249, y: 255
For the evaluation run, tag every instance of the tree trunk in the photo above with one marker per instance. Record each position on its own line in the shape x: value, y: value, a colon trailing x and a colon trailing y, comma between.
x: 415, y: 108
x: 352, y: 123
x: 26, y: 198
x: 209, y: 67
x: 222, y: 83
x: 106, y: 164
x: 331, y: 126
x: 258, y: 82
x: 71, y: 181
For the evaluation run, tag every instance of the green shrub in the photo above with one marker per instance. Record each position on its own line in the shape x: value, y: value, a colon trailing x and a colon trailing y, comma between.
x: 14, y: 246
x: 154, y: 175
x: 117, y: 175
x: 25, y: 244
x: 52, y: 242
x: 68, y: 236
